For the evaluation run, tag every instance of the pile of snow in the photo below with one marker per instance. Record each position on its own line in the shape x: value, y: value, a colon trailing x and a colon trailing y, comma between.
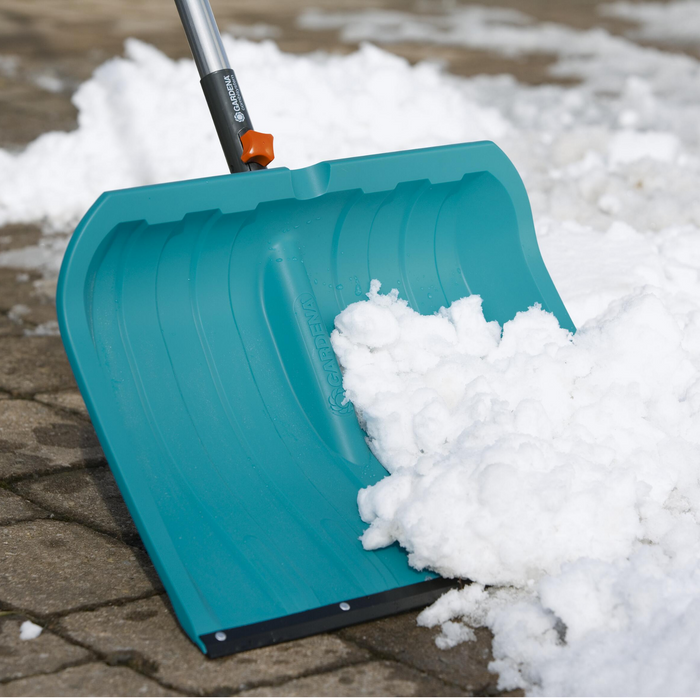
x: 142, y: 119
x: 564, y: 467
x: 563, y: 471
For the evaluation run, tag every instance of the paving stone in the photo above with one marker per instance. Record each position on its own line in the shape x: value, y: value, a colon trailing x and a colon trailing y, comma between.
x: 47, y: 566
x: 4, y: 395
x: 8, y: 327
x: 45, y: 654
x: 25, y: 297
x: 400, y: 638
x: 88, y: 680
x: 90, y: 496
x: 34, y: 439
x: 69, y: 400
x: 30, y: 365
x: 374, y: 679
x: 13, y: 509
x: 17, y: 236
x: 148, y: 631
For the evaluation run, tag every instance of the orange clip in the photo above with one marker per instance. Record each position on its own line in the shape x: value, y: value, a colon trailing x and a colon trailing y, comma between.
x: 257, y: 147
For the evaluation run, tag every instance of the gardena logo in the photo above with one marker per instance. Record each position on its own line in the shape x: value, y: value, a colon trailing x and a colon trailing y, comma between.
x: 239, y: 116
x: 336, y: 402
x: 233, y: 95
x: 319, y: 344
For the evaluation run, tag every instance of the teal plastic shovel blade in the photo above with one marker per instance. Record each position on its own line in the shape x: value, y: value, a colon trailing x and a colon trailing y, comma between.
x: 196, y: 317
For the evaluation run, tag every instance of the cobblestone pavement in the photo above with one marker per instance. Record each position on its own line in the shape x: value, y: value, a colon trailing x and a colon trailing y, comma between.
x: 71, y: 559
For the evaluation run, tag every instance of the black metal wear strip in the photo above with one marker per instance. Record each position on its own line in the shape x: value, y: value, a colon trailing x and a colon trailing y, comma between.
x: 326, y: 618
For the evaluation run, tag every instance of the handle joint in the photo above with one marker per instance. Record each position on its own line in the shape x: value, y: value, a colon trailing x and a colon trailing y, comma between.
x: 221, y: 90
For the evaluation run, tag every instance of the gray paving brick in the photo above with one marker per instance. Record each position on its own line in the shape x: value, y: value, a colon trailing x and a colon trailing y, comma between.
x: 375, y: 679
x: 35, y: 439
x: 147, y: 629
x: 27, y: 292
x: 8, y: 327
x: 400, y: 638
x: 69, y: 400
x: 47, y: 566
x: 90, y: 496
x: 13, y: 509
x: 17, y: 236
x: 45, y: 654
x: 30, y: 365
x: 88, y: 680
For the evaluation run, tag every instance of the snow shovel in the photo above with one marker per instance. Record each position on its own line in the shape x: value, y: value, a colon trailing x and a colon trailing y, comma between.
x: 196, y: 317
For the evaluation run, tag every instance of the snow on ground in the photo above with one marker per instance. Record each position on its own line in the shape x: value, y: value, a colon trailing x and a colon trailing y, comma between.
x: 676, y: 22
x: 603, y: 59
x: 560, y: 471
x: 142, y: 120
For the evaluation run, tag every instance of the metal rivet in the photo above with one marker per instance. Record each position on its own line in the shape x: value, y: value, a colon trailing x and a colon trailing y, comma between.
x: 345, y: 606
x: 220, y: 636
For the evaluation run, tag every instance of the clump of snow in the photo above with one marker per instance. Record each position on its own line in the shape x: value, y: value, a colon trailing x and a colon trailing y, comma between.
x: 676, y: 22
x: 46, y: 255
x: 528, y: 449
x: 255, y: 32
x: 28, y: 630
x: 629, y: 146
x: 18, y: 312
x: 43, y: 329
x: 564, y: 467
x: 374, y: 325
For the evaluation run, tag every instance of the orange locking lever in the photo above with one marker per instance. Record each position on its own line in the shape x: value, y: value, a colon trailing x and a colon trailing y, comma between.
x: 257, y: 148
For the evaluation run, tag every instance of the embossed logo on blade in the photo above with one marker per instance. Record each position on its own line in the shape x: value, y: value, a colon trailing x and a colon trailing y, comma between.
x: 323, y: 355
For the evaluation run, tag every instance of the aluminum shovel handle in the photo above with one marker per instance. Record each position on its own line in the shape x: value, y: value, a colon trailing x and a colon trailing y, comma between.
x: 203, y: 36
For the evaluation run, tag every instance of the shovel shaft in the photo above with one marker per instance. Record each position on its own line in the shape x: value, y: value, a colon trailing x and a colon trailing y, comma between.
x: 219, y: 83
x: 203, y: 36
